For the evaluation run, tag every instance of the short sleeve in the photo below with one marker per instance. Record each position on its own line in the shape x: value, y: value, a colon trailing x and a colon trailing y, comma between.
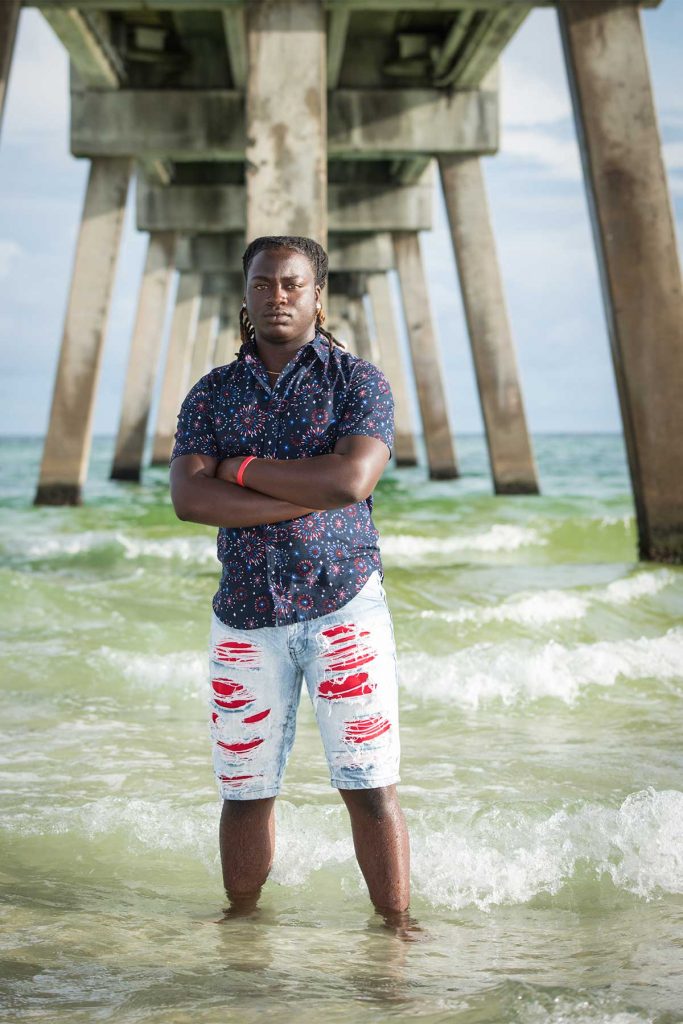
x: 195, y: 432
x: 369, y: 405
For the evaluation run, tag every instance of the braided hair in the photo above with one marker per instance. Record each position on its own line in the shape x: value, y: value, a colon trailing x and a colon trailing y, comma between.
x: 316, y: 256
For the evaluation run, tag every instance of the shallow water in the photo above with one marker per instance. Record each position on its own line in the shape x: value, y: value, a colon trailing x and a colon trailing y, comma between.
x: 542, y: 676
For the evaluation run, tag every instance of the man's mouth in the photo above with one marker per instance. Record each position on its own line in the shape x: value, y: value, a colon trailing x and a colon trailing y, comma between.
x: 278, y: 316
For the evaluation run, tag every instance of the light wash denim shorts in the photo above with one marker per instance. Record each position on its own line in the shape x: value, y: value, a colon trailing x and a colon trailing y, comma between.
x: 348, y: 658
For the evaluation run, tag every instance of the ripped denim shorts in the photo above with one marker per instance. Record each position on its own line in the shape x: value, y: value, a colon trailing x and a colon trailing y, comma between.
x: 348, y: 659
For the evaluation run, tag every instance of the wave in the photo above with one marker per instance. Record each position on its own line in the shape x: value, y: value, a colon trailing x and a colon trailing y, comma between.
x: 185, y: 671
x: 522, y: 670
x: 508, y: 856
x: 465, y: 856
x: 539, y: 608
x: 185, y: 549
x: 499, y: 537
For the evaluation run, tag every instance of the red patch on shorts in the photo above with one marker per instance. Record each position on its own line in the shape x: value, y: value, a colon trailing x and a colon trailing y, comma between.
x: 235, y: 780
x: 258, y: 717
x: 356, y: 685
x: 348, y: 648
x: 241, y: 653
x: 241, y: 747
x: 231, y: 695
x: 359, y: 730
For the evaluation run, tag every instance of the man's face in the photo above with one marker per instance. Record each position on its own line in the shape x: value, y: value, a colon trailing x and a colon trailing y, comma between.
x: 281, y: 296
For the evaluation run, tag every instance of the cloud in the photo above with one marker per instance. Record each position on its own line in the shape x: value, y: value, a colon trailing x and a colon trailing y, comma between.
x: 553, y: 157
x: 528, y: 98
x: 38, y: 92
x: 9, y: 251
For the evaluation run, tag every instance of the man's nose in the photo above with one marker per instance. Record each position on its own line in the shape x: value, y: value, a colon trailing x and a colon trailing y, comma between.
x: 279, y: 294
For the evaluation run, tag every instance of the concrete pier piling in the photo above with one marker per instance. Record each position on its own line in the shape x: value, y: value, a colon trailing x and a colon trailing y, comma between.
x: 66, y: 451
x: 512, y: 462
x: 637, y: 255
x: 207, y: 331
x: 426, y: 358
x: 176, y: 370
x: 143, y: 357
x: 9, y: 22
x: 286, y: 119
x: 392, y: 364
x: 228, y: 340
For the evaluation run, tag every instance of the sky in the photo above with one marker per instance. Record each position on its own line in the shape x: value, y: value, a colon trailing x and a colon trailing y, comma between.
x: 538, y: 209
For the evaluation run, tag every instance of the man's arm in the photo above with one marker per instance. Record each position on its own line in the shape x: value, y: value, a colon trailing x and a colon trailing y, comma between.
x: 345, y: 476
x: 199, y: 497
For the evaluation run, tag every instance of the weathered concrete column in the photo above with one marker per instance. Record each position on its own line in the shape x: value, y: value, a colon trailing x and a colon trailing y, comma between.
x: 391, y: 363
x: 66, y: 452
x: 338, y: 320
x: 9, y: 20
x: 495, y: 363
x: 228, y: 341
x: 361, y: 330
x: 174, y: 385
x: 143, y: 358
x: 636, y: 245
x: 286, y: 152
x: 207, y: 329
x: 425, y: 356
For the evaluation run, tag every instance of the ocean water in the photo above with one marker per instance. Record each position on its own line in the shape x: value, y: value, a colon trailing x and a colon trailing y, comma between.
x: 541, y: 671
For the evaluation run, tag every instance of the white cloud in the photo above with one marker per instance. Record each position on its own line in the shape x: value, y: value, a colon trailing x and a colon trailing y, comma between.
x: 38, y: 92
x: 529, y: 98
x: 557, y: 157
x: 9, y: 251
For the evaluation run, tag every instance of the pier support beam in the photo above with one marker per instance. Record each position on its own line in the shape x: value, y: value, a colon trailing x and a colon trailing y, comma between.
x: 361, y: 329
x: 426, y: 357
x: 174, y: 385
x: 636, y: 246
x: 9, y: 20
x: 207, y: 329
x: 510, y: 453
x: 228, y: 341
x: 338, y: 320
x: 66, y: 452
x: 143, y: 358
x: 286, y: 150
x: 386, y: 332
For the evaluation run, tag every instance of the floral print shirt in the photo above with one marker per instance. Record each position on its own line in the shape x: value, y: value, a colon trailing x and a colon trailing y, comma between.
x: 280, y: 573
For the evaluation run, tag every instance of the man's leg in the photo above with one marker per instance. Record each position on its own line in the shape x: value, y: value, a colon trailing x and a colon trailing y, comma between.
x: 380, y: 839
x: 247, y: 844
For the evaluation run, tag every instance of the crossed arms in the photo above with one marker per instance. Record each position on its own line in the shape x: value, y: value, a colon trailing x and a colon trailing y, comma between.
x: 276, y: 489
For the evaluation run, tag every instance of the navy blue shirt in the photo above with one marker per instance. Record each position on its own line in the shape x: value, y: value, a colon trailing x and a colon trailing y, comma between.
x: 280, y: 573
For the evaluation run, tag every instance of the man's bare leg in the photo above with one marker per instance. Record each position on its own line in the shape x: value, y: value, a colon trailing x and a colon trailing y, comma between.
x: 380, y: 839
x: 247, y: 845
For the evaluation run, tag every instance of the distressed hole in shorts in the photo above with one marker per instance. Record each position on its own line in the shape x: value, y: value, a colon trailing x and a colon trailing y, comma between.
x: 238, y: 653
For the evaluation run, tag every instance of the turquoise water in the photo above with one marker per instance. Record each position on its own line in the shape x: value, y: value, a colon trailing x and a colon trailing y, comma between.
x: 541, y: 673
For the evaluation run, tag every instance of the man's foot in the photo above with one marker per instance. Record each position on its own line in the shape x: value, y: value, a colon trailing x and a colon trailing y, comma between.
x: 240, y: 906
x: 403, y: 925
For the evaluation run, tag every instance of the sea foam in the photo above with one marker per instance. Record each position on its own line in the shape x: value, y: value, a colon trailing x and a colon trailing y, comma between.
x: 542, y: 607
x: 465, y: 855
x: 522, y: 670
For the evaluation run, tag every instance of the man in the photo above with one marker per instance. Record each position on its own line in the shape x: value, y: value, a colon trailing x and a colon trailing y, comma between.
x: 281, y: 449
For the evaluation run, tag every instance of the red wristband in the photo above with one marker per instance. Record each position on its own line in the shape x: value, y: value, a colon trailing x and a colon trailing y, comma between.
x: 243, y: 465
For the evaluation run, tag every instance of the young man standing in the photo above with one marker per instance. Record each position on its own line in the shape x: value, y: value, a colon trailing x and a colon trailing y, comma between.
x: 281, y: 449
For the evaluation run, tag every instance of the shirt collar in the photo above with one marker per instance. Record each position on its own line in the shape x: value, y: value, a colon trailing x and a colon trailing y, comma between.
x: 320, y: 345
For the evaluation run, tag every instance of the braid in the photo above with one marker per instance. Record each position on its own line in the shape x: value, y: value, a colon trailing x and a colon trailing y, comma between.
x: 316, y: 256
